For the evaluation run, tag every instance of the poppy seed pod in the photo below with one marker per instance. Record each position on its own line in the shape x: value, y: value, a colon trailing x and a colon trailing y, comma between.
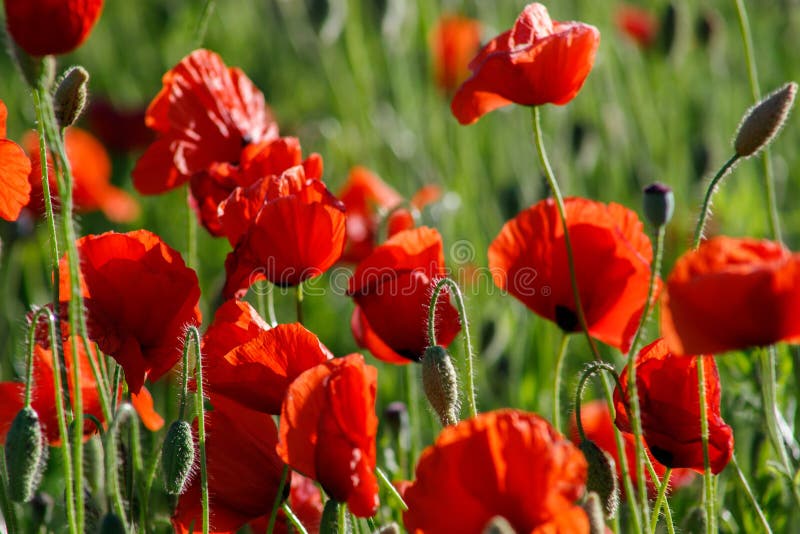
x: 602, y: 478
x: 177, y: 457
x: 763, y: 121
x: 440, y: 382
x: 70, y: 96
x: 659, y: 204
x: 25, y: 455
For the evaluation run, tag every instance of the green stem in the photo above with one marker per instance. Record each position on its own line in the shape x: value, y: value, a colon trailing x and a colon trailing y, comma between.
x: 387, y: 484
x: 562, y: 352
x: 341, y: 518
x: 750, y: 496
x: 413, y: 415
x: 191, y: 238
x: 665, y: 504
x: 184, y: 381
x: 113, y: 491
x: 662, y: 491
x: 468, y: 352
x: 706, y: 208
x: 300, y: 303
x: 708, y: 480
x: 9, y: 510
x: 293, y: 519
x: 276, y: 504
x: 202, y: 23
x: 752, y: 75
x: 193, y: 336
x: 115, y: 382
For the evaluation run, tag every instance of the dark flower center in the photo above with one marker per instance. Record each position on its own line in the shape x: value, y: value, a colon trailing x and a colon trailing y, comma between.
x: 566, y: 319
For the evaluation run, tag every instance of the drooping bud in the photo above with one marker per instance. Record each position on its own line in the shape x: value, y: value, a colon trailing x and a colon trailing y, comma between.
x: 26, y: 455
x: 594, y: 509
x: 498, y: 525
x: 602, y: 477
x: 763, y: 121
x: 659, y: 204
x: 70, y: 96
x: 111, y: 524
x: 177, y: 457
x: 440, y: 382
x: 34, y: 70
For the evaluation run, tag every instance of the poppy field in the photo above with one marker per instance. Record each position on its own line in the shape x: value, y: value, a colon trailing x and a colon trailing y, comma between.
x: 371, y: 267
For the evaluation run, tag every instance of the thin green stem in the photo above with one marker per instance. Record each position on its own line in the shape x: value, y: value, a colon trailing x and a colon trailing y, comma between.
x: 708, y: 481
x: 387, y: 484
x: 193, y: 336
x: 299, y: 302
x: 9, y: 510
x: 297, y: 525
x: 750, y: 496
x: 149, y: 479
x: 706, y: 208
x: 202, y: 23
x: 191, y: 238
x: 468, y: 352
x: 276, y: 504
x: 115, y: 382
x: 113, y: 491
x: 341, y: 518
x: 562, y: 352
x: 665, y: 504
x: 752, y: 75
x: 184, y: 381
x: 662, y: 491
x: 562, y: 214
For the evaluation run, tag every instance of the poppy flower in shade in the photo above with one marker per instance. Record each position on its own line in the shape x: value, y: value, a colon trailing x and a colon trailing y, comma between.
x: 670, y: 408
x: 599, y: 428
x: 539, y: 61
x: 43, y: 27
x: 91, y: 172
x: 328, y: 427
x: 520, y: 468
x: 305, y: 500
x: 638, y: 24
x: 121, y: 129
x: 204, y: 114
x: 243, y: 470
x: 15, y: 167
x: 703, y: 309
x: 454, y: 42
x: 258, y: 372
x: 289, y: 228
x: 612, y: 262
x: 392, y: 291
x: 139, y: 297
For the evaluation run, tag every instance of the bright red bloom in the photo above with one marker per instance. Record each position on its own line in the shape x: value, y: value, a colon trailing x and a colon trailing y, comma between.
x: 670, y: 407
x: 43, y: 27
x: 520, y: 468
x: 638, y: 24
x: 204, y: 114
x: 732, y: 294
x: 243, y: 470
x: 612, y: 261
x: 235, y: 323
x: 120, y: 129
x: 599, y: 428
x: 328, y: 428
x: 91, y: 172
x: 288, y: 228
x: 15, y: 167
x: 538, y: 61
x: 454, y: 42
x: 139, y: 296
x: 392, y: 291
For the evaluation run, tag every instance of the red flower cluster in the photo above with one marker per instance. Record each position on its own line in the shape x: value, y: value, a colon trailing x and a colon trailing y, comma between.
x: 14, y: 170
x: 43, y: 27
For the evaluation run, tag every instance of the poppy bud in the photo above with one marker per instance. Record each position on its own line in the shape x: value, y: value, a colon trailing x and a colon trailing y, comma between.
x: 440, y: 382
x: 762, y: 122
x: 498, y: 525
x: 70, y: 96
x: 177, y: 457
x: 111, y: 524
x: 34, y: 70
x: 25, y: 455
x: 659, y: 204
x: 329, y: 524
x: 594, y: 509
x: 602, y: 476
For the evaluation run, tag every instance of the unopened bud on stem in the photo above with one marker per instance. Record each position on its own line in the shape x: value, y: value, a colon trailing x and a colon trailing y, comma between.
x: 177, y: 457
x: 659, y: 204
x: 440, y: 382
x: 602, y: 477
x: 70, y: 96
x: 26, y: 455
x: 763, y: 121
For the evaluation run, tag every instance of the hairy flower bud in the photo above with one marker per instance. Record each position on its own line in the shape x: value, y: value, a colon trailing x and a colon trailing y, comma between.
x: 70, y: 96
x: 763, y: 121
x: 659, y: 204
x: 177, y: 457
x: 26, y: 455
x: 440, y: 382
x: 602, y: 477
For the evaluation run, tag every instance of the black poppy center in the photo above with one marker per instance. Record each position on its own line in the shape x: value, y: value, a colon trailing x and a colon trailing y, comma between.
x: 566, y: 319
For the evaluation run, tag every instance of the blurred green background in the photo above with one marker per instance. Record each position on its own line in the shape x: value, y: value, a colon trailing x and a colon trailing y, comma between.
x: 354, y: 81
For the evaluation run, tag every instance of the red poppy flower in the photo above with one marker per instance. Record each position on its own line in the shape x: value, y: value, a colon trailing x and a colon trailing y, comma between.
x: 44, y: 403
x: 235, y: 323
x: 243, y: 470
x: 328, y: 428
x: 599, y: 428
x: 670, y: 407
x: 258, y: 372
x: 538, y: 61
x: 121, y: 129
x: 139, y: 296
x: 91, y: 173
x: 732, y: 294
x: 392, y: 291
x: 520, y: 468
x: 612, y: 261
x: 15, y: 167
x: 289, y: 228
x: 638, y: 24
x: 43, y: 27
x: 454, y: 42
x: 204, y: 114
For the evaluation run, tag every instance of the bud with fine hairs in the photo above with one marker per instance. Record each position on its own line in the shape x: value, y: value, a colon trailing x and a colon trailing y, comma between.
x: 177, y: 457
x: 763, y: 121
x: 70, y: 96
x: 25, y: 454
x: 594, y: 510
x: 440, y: 382
x: 602, y: 477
